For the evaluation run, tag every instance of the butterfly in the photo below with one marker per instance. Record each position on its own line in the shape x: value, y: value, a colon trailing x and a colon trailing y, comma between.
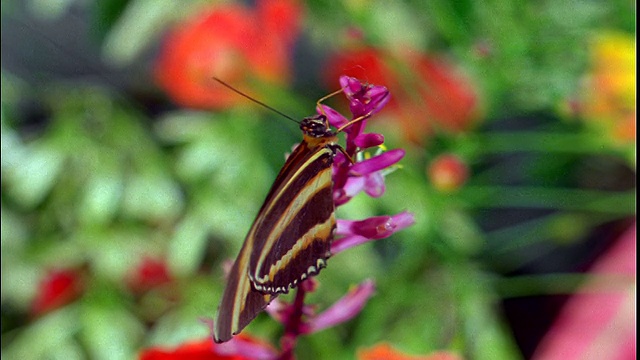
x: 291, y: 236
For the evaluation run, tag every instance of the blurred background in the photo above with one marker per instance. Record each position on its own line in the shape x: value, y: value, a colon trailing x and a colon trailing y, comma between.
x: 129, y: 177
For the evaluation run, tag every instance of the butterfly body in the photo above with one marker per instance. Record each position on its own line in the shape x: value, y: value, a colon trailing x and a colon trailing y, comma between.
x: 291, y: 237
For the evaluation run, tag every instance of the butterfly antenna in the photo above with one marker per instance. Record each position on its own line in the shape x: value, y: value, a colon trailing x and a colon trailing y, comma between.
x: 254, y: 100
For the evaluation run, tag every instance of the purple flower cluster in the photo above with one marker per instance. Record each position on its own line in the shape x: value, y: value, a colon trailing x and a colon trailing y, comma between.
x: 349, y: 179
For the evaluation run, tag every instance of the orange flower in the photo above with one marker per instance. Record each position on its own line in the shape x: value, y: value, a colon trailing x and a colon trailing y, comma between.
x: 386, y: 352
x: 608, y: 100
x: 448, y: 173
x: 229, y: 41
x: 58, y: 288
x: 427, y: 93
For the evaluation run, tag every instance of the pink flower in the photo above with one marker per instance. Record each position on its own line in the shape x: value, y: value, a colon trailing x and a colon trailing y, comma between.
x: 378, y: 227
x: 599, y: 322
x: 349, y: 179
x: 364, y: 99
x: 342, y: 310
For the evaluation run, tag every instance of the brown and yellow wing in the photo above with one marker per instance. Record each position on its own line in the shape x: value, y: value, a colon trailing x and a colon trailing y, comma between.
x: 288, y: 242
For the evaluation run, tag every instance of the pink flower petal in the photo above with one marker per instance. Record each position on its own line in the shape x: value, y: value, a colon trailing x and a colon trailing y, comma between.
x: 350, y: 85
x: 377, y: 163
x: 358, y: 232
x: 278, y: 310
x: 364, y: 99
x: 376, y: 227
x: 364, y: 141
x: 344, y: 243
x: 354, y: 186
x: 380, y: 97
x: 344, y: 309
x: 374, y: 185
x: 335, y: 118
x: 598, y: 323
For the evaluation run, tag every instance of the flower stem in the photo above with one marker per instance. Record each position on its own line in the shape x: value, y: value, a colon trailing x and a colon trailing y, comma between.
x: 292, y: 326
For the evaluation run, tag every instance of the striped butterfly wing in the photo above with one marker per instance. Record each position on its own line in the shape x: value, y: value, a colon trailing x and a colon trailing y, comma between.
x: 298, y: 225
x: 240, y: 302
x: 288, y: 241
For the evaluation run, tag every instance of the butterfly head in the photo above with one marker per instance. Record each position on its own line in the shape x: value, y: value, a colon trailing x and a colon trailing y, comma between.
x: 316, y: 127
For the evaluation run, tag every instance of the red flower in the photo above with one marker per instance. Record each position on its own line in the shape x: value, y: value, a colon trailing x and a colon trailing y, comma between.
x: 240, y: 348
x: 448, y: 98
x: 280, y: 19
x: 447, y: 173
x: 365, y: 63
x: 229, y: 41
x: 148, y: 274
x: 199, y: 350
x: 431, y: 96
x: 58, y: 288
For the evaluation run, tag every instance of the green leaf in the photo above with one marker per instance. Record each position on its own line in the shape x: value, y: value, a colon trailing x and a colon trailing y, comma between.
x: 109, y: 331
x: 151, y: 197
x: 49, y: 337
x: 32, y: 177
x: 102, y: 196
x: 187, y: 246
x: 138, y: 28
